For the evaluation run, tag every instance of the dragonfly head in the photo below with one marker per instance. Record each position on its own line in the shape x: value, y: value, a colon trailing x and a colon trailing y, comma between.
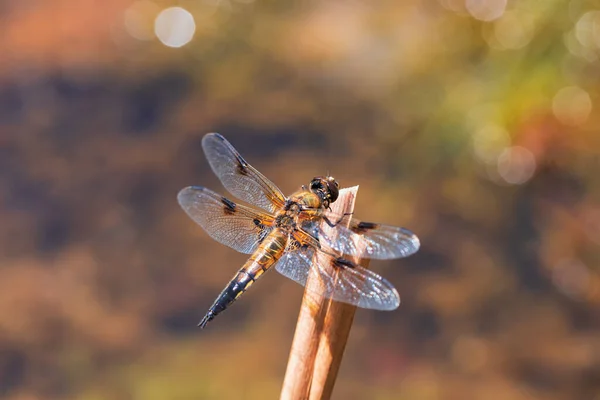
x: 326, y: 188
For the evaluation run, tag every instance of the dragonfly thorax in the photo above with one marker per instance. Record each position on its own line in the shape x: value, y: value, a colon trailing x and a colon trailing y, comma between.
x: 286, y: 222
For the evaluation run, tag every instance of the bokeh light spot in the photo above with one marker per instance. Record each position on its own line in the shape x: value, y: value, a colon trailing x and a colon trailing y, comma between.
x: 587, y: 29
x: 486, y: 10
x: 577, y: 49
x: 516, y: 165
x: 174, y: 27
x: 139, y: 19
x: 572, y: 105
x: 489, y: 142
x: 513, y: 31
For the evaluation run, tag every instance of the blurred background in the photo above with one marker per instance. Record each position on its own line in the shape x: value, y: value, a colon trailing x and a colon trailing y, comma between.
x: 472, y: 122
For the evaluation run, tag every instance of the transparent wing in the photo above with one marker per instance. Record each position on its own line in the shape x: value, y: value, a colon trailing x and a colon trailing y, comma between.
x: 294, y: 265
x: 234, y: 225
x: 340, y: 279
x: 367, y: 240
x: 238, y: 177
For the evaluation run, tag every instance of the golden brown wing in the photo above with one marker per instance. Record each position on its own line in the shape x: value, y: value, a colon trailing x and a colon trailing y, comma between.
x: 234, y: 225
x: 240, y: 178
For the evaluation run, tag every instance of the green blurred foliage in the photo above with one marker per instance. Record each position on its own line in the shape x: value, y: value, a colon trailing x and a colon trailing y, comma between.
x: 455, y: 124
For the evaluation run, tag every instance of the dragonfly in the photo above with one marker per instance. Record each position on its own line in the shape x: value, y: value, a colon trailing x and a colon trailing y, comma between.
x: 292, y: 234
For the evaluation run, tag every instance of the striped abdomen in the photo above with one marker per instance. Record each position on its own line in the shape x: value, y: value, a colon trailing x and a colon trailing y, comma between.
x: 267, y: 254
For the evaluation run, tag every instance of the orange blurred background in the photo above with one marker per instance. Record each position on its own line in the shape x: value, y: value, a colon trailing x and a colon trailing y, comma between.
x: 473, y: 123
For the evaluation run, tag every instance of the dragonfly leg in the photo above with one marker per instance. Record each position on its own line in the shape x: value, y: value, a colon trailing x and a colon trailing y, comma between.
x: 334, y: 224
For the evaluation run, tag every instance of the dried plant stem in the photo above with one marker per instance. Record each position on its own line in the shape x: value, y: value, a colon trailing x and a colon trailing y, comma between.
x: 321, y: 333
x: 332, y: 343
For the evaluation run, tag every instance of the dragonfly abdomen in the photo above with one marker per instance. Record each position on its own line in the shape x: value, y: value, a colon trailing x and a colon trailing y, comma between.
x: 265, y: 256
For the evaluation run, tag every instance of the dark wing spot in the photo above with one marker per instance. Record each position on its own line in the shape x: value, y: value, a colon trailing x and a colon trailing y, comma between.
x: 242, y: 166
x: 362, y: 227
x: 343, y: 263
x: 263, y: 232
x: 229, y: 206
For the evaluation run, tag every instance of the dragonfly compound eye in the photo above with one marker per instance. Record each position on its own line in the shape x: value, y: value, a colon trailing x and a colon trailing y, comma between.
x: 317, y: 185
x: 333, y: 190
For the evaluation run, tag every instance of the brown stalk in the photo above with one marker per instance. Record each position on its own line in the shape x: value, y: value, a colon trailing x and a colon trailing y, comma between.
x: 322, y: 331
